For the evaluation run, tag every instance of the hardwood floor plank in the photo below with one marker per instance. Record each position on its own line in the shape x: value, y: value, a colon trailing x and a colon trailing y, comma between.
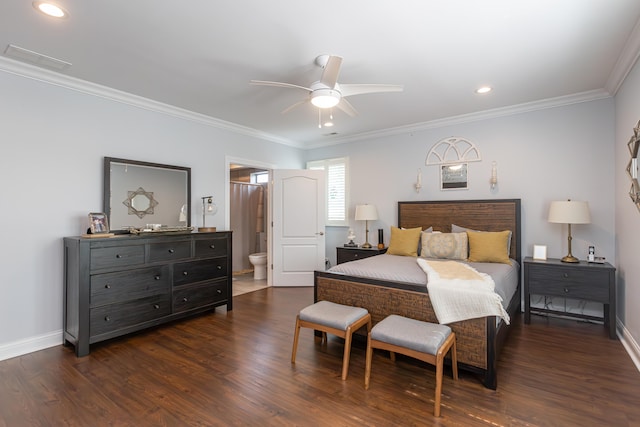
x: 233, y: 369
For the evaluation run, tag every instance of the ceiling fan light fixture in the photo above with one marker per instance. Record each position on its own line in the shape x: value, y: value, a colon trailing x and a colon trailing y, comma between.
x: 325, y: 98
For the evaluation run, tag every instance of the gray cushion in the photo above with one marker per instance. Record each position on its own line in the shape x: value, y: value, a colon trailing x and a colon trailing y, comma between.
x: 330, y: 314
x: 414, y: 334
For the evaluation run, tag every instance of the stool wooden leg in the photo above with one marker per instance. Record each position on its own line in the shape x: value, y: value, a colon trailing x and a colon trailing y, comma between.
x: 347, y: 352
x: 367, y: 369
x: 295, y: 340
x: 436, y: 405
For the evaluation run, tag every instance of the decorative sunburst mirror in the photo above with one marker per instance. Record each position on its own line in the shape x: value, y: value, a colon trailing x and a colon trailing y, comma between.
x: 140, y: 202
x: 632, y: 167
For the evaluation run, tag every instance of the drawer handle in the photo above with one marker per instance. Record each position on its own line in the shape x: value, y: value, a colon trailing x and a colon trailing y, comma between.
x: 107, y: 286
x: 212, y: 246
x: 356, y: 255
x: 185, y: 273
x: 107, y: 319
x: 156, y: 306
x: 219, y: 267
x: 565, y: 275
x: 185, y: 299
x: 118, y: 256
x: 566, y: 290
x: 157, y: 277
x: 171, y: 251
x: 219, y: 291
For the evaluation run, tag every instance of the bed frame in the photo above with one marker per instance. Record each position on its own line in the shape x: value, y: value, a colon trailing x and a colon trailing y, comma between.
x: 478, y: 340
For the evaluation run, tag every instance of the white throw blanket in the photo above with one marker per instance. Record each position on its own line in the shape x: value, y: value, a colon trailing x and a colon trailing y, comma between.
x: 460, y: 292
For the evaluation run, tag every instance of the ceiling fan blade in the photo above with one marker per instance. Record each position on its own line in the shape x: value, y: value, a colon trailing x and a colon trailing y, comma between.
x: 359, y: 89
x: 345, y: 106
x: 278, y: 84
x: 291, y: 107
x: 331, y: 70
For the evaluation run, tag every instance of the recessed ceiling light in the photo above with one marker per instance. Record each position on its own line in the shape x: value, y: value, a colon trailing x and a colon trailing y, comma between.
x: 484, y: 89
x: 50, y: 9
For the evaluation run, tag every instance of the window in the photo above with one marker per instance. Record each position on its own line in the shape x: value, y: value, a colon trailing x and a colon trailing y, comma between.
x: 336, y: 173
x: 260, y: 177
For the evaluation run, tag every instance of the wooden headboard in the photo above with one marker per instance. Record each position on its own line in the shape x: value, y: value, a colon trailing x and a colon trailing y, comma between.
x: 481, y: 215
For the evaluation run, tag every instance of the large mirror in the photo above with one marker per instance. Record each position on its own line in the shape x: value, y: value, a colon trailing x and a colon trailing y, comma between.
x: 138, y: 195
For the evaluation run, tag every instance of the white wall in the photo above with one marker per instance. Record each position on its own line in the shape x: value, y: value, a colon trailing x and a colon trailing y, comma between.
x: 551, y: 154
x: 53, y: 142
x: 627, y: 216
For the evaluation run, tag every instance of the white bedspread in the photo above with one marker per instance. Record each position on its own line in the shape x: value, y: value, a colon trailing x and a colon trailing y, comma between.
x: 460, y: 292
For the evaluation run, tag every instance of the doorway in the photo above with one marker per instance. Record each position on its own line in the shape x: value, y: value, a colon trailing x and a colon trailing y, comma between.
x: 248, y: 199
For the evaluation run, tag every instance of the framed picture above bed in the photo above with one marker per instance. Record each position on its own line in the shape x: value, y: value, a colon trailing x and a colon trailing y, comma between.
x: 454, y: 176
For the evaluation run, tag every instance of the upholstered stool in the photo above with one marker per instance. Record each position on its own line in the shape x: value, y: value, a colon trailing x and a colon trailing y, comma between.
x: 425, y: 341
x: 336, y: 319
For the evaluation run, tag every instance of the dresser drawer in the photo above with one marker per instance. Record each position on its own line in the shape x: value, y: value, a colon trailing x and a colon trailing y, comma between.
x: 166, y: 251
x: 117, y: 256
x: 570, y: 283
x: 110, y: 288
x: 109, y: 318
x: 213, y: 247
x: 198, y: 271
x: 191, y: 297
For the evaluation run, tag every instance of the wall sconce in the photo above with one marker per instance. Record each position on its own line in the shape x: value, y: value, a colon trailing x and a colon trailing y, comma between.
x: 494, y: 175
x: 208, y: 208
x: 418, y: 184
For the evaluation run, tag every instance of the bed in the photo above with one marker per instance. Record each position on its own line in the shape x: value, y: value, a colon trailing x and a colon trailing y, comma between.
x: 479, y: 340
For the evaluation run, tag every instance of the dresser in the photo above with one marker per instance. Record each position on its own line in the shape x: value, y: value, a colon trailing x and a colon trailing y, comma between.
x: 122, y: 284
x: 581, y: 281
x: 346, y: 254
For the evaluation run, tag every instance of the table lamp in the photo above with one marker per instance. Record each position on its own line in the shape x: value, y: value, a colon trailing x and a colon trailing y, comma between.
x: 366, y: 213
x: 569, y: 212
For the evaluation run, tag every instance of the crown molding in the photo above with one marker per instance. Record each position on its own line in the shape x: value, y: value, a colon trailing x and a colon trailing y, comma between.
x: 471, y: 117
x: 627, y: 59
x: 50, y: 77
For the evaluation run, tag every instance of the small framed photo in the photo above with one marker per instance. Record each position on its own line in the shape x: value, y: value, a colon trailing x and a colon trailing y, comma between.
x: 98, y: 223
x: 540, y: 252
x: 453, y: 176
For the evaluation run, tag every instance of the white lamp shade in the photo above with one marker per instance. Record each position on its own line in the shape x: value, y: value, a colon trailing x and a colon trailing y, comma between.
x: 569, y: 212
x: 366, y: 212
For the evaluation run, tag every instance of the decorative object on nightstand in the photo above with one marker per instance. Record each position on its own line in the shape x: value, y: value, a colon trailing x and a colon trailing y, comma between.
x: 569, y: 212
x: 351, y: 236
x: 366, y: 213
x: 380, y: 238
x: 208, y: 208
x: 540, y: 252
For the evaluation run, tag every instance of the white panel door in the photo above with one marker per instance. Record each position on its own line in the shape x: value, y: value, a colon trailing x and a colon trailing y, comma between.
x: 298, y: 226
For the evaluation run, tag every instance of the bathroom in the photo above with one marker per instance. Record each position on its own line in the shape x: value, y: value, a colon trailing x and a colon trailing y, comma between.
x: 248, y: 220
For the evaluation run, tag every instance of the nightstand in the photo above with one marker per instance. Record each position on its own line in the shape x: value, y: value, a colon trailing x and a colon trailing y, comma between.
x: 345, y: 254
x: 582, y: 281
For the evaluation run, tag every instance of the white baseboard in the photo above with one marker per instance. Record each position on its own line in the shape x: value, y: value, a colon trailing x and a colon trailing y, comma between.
x: 629, y: 344
x: 18, y: 348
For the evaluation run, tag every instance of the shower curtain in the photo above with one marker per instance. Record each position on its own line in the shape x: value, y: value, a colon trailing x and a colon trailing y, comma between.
x: 247, y: 222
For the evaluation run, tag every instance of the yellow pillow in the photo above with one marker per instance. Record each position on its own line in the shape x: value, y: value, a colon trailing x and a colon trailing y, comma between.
x: 489, y: 246
x: 404, y: 241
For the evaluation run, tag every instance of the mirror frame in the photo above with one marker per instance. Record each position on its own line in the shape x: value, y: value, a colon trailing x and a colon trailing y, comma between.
x: 632, y: 166
x: 107, y: 185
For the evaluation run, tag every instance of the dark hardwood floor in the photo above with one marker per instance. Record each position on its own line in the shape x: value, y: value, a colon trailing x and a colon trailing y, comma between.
x: 234, y: 368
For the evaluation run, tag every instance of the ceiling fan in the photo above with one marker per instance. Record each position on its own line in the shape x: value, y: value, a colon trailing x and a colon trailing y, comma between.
x: 327, y: 92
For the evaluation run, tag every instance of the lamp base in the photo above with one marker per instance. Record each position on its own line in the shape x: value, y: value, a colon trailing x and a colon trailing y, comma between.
x: 366, y: 245
x: 570, y: 258
x: 206, y: 229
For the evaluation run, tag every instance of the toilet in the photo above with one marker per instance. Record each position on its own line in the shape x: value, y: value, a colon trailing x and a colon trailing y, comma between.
x: 259, y: 261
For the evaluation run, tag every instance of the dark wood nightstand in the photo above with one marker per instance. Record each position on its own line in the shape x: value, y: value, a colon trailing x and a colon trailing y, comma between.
x: 582, y: 281
x: 346, y: 254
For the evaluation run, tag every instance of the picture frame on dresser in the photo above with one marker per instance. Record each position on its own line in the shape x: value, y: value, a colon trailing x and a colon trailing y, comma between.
x: 98, y: 223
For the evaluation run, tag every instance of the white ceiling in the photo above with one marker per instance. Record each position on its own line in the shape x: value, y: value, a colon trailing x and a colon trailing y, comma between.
x: 199, y: 55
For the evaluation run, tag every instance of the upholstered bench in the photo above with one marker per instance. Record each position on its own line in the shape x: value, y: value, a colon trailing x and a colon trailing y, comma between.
x: 336, y: 319
x: 424, y: 341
